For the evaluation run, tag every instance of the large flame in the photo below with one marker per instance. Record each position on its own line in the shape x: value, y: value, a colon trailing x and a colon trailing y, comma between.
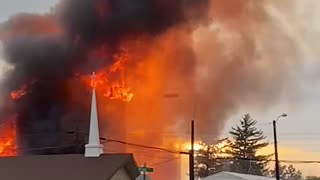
x: 8, y: 144
x: 112, y: 89
x: 209, y: 66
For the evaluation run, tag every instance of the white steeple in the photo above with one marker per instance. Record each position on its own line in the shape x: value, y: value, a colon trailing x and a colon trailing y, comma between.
x: 94, y: 148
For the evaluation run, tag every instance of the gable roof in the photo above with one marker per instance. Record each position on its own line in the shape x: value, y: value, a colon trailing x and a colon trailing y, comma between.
x: 235, y: 176
x: 67, y: 167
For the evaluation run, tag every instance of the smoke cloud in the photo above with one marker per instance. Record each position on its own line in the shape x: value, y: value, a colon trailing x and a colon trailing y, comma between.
x: 47, y: 51
x: 216, y: 55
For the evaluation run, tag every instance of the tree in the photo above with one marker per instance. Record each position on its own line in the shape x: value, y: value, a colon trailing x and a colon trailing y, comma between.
x: 312, y: 178
x: 208, y: 159
x: 288, y: 173
x: 247, y: 140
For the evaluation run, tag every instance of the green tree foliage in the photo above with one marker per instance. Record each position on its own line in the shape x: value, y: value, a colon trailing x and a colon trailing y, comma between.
x: 288, y: 173
x: 247, y: 140
x: 209, y: 160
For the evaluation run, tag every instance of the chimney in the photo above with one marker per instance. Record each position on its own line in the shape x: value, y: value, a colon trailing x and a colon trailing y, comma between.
x: 94, y: 148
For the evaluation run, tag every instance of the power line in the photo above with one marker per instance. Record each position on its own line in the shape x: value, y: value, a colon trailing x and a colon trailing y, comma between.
x: 176, y: 152
x: 163, y: 162
x: 146, y: 153
x: 49, y: 147
x: 42, y: 148
x: 272, y: 160
x: 150, y: 156
x: 247, y: 159
x: 145, y: 146
x: 285, y: 134
x: 143, y: 149
x: 165, y: 150
x: 213, y: 133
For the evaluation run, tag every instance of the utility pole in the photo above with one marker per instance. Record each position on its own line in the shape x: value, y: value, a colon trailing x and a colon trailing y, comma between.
x: 191, y: 154
x: 276, y: 150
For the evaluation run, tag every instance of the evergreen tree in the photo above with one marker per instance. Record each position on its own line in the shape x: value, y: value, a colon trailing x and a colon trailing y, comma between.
x: 208, y: 159
x: 247, y: 140
x: 288, y: 173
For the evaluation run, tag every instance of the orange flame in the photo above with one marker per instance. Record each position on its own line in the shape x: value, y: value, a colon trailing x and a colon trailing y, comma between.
x: 112, y: 89
x: 22, y: 91
x: 8, y: 146
x: 118, y: 92
x: 17, y: 94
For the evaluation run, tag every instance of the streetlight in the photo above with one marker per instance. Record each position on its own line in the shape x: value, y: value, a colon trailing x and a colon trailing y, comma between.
x: 280, y: 116
x: 276, y: 145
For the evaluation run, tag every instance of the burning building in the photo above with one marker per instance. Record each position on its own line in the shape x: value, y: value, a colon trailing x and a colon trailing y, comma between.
x: 205, y: 51
x: 93, y: 165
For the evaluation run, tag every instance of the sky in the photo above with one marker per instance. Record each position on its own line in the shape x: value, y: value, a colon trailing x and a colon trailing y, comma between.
x: 10, y: 7
x: 299, y: 132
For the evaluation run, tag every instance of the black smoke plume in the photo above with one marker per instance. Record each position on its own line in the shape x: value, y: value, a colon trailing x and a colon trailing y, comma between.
x: 46, y: 51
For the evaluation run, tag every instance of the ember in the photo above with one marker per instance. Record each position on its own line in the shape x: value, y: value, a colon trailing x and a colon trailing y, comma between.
x: 17, y: 94
x: 22, y: 91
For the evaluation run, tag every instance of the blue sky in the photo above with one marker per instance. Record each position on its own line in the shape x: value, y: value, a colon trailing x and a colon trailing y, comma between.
x: 300, y: 130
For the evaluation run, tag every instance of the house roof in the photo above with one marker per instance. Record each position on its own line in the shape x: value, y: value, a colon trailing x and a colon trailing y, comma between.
x: 235, y: 176
x: 67, y: 167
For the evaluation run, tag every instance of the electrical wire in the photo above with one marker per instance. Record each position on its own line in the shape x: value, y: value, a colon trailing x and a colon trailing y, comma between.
x: 143, y: 149
x: 151, y: 157
x: 43, y: 148
x: 163, y: 162
x: 176, y: 152
x: 246, y: 159
x: 272, y: 160
x: 145, y: 146
x: 146, y: 154
x: 169, y: 151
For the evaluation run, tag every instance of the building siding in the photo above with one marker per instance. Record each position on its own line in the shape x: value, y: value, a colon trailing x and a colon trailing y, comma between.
x: 121, y: 174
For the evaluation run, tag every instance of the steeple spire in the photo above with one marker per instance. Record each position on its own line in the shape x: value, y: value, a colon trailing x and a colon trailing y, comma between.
x: 94, y: 148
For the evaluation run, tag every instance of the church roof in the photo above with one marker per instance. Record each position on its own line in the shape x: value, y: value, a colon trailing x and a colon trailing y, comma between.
x: 235, y: 176
x: 66, y: 167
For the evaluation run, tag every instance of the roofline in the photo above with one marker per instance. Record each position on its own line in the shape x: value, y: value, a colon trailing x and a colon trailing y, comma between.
x: 230, y: 173
x: 129, y: 161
